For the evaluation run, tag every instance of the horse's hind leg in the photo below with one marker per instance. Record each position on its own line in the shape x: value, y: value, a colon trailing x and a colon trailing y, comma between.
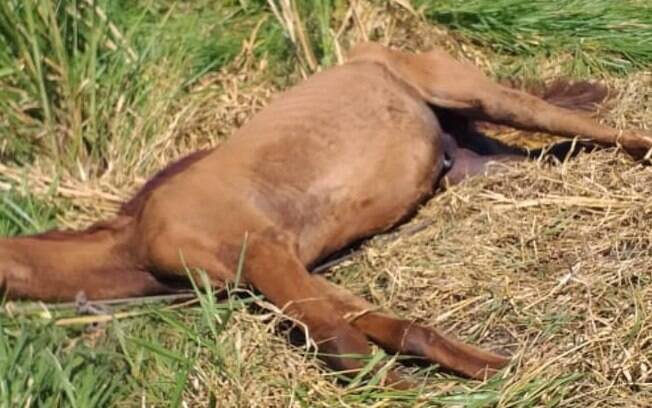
x: 447, y: 83
x: 56, y: 268
x: 405, y: 337
x: 503, y: 105
x: 96, y: 284
x: 499, y: 104
x: 271, y: 268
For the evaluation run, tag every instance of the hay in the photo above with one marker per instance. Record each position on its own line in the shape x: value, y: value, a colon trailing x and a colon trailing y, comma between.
x: 549, y: 263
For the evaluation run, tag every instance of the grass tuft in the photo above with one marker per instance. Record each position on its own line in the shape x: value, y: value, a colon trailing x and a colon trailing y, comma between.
x: 601, y: 35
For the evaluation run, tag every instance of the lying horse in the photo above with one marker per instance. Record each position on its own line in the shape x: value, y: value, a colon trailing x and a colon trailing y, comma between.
x: 346, y: 154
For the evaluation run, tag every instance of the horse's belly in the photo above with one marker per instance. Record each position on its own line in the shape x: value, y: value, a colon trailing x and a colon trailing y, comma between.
x: 374, y: 200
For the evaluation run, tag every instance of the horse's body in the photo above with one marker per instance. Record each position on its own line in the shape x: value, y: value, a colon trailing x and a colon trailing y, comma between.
x: 346, y: 154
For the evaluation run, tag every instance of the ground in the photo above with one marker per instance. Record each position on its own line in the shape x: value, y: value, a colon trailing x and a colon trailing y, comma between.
x: 548, y: 263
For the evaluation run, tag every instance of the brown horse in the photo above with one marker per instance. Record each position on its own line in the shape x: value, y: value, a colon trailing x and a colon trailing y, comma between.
x: 346, y: 154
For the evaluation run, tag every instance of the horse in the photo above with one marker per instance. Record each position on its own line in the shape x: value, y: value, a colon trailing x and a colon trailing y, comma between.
x: 350, y: 152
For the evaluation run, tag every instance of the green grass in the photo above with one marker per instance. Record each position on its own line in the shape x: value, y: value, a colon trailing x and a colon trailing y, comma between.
x: 76, y: 77
x: 24, y: 214
x: 150, y: 355
x: 318, y: 17
x: 42, y: 365
x: 598, y: 35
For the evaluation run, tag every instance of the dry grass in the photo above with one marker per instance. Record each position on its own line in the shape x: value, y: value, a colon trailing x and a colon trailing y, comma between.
x: 551, y: 264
